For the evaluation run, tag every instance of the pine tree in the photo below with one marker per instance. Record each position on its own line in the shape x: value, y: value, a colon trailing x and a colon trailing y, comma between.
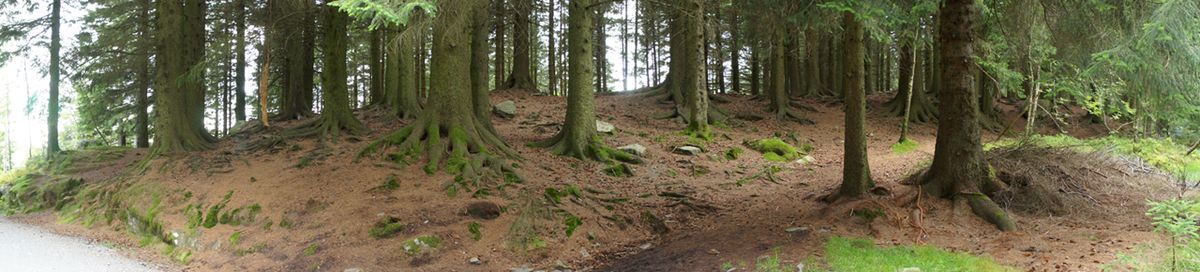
x: 179, y: 83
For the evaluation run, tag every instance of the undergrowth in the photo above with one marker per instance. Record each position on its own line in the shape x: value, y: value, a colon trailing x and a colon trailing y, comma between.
x: 851, y: 254
x: 1164, y: 154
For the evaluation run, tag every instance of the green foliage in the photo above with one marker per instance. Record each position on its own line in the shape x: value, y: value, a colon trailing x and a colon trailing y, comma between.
x: 846, y: 254
x: 572, y: 222
x: 473, y: 228
x: 617, y: 169
x: 310, y: 250
x: 383, y: 13
x: 386, y: 228
x: 733, y: 153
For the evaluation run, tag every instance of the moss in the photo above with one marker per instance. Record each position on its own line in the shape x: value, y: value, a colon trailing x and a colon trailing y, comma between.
x: 618, y: 170
x: 235, y: 238
x: 310, y: 250
x: 776, y: 150
x: 473, y: 228
x: 285, y: 223
x: 904, y: 147
x: 256, y: 248
x: 386, y: 227
x: 733, y: 153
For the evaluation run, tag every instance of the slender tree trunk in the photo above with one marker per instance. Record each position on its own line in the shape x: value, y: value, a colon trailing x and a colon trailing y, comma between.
x: 240, y: 93
x: 958, y: 168
x: 145, y: 45
x: 735, y: 50
x: 812, y: 62
x: 376, y: 58
x: 521, y: 77
x: 755, y: 68
x: 856, y: 171
x: 500, y: 23
x: 52, y: 147
x: 552, y: 65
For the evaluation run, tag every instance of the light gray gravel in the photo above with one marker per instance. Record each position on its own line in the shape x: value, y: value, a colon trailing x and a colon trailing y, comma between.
x: 28, y: 248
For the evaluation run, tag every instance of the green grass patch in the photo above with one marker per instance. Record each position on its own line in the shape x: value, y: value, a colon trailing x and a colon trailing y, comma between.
x: 421, y: 244
x: 386, y: 227
x: 905, y: 146
x: 848, y: 254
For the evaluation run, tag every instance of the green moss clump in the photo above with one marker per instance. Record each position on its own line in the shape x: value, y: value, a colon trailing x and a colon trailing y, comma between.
x: 421, y: 244
x: 733, y: 153
x: 618, y: 170
x: 473, y: 228
x: 310, y: 250
x: 776, y: 150
x: 386, y: 227
x: 904, y: 147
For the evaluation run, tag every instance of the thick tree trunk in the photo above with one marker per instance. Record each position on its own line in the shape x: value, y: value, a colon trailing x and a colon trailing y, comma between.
x: 336, y: 116
x: 856, y: 171
x: 179, y: 96
x: 295, y: 100
x: 792, y: 68
x: 55, y: 72
x: 688, y: 25
x: 521, y: 77
x: 958, y: 168
x: 479, y: 65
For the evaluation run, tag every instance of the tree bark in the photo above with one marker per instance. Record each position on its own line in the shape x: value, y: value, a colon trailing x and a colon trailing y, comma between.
x: 499, y: 8
x: 856, y: 171
x: 735, y: 50
x: 521, y: 76
x: 52, y: 147
x: 958, y: 168
x: 688, y: 25
x: 146, y: 42
x: 239, y: 95
x: 179, y: 90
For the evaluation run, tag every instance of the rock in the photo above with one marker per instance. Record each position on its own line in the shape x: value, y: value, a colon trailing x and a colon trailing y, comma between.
x: 475, y: 261
x: 800, y: 267
x: 505, y: 109
x: 484, y: 210
x: 353, y: 270
x: 801, y: 230
x: 521, y: 269
x: 805, y: 160
x: 646, y: 246
x: 635, y: 149
x: 909, y: 269
x: 604, y: 127
x: 560, y: 265
x: 688, y: 150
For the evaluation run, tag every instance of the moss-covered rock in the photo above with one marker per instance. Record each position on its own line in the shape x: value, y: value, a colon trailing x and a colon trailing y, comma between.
x: 776, y: 150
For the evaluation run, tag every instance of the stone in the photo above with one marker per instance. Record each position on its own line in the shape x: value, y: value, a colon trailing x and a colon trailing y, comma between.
x: 797, y: 229
x: 484, y: 210
x: 521, y: 269
x: 353, y: 270
x: 604, y: 127
x: 635, y: 149
x: 805, y: 160
x: 475, y: 261
x: 505, y: 109
x: 688, y: 150
x: 646, y: 246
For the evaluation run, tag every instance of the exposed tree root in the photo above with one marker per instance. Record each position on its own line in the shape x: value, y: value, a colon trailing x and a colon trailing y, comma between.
x: 976, y: 196
x: 467, y: 150
x: 327, y: 127
x: 796, y: 103
x: 593, y: 149
x: 715, y: 115
x: 923, y: 110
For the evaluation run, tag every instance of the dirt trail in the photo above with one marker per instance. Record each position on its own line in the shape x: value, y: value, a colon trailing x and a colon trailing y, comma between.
x: 28, y: 248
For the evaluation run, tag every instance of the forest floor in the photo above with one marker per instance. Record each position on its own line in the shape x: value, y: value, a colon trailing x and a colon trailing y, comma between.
x: 317, y: 203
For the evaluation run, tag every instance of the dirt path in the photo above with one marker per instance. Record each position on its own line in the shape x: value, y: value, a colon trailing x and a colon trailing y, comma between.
x: 27, y: 248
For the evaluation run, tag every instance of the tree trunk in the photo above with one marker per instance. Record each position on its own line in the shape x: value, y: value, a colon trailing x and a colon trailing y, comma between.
x: 521, y: 77
x: 856, y: 171
x: 52, y: 147
x: 735, y: 50
x: 335, y: 109
x: 239, y: 110
x: 812, y: 62
x: 146, y: 42
x: 755, y: 68
x: 958, y: 166
x: 376, y: 67
x: 500, y: 23
x: 688, y: 25
x: 479, y: 65
x: 179, y: 125
x: 295, y: 100
x: 552, y: 65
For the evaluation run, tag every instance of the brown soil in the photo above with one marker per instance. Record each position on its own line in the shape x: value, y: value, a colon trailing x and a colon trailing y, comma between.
x: 333, y: 205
